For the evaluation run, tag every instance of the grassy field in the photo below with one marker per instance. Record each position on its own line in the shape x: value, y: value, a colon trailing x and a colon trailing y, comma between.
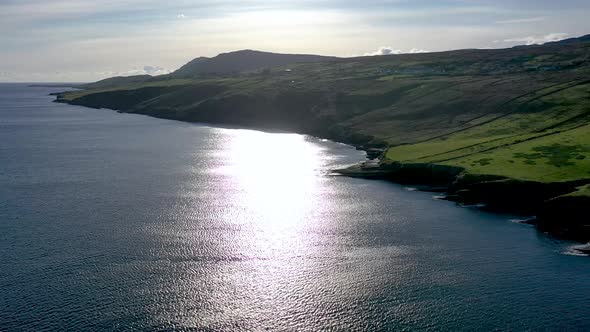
x: 547, y: 140
x: 583, y: 191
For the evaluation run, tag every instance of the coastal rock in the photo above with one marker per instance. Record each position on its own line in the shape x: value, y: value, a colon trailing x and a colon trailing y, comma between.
x: 566, y: 215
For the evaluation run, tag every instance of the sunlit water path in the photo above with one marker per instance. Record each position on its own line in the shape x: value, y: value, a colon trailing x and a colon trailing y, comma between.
x: 115, y: 221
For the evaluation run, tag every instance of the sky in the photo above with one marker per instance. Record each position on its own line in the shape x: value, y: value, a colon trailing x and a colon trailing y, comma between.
x: 87, y: 40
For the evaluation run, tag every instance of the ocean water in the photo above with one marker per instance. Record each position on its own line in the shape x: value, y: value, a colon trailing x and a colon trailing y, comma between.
x: 124, y: 222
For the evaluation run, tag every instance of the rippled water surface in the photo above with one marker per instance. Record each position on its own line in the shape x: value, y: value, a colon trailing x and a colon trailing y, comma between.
x: 115, y: 221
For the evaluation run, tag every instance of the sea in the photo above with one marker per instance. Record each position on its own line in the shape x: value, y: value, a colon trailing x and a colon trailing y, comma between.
x: 120, y: 222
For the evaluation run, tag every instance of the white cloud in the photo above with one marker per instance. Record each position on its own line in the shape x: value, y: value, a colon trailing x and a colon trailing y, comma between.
x: 522, y: 20
x: 151, y: 70
x: 4, y: 75
x: 537, y: 40
x: 388, y: 50
x: 147, y: 70
x: 384, y: 50
x: 416, y: 50
x: 180, y: 16
x: 59, y: 9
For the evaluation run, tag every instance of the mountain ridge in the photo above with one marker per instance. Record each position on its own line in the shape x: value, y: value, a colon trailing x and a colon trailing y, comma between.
x: 240, y: 61
x: 222, y: 63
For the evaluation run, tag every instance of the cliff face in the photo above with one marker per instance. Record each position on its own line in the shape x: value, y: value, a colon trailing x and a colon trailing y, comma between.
x: 568, y: 216
x: 294, y: 111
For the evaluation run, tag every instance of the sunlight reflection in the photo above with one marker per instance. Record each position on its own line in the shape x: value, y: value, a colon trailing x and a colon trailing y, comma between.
x: 275, y: 182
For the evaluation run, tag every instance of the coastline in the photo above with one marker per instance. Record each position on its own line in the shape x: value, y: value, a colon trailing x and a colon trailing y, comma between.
x: 545, y: 205
x: 552, y: 210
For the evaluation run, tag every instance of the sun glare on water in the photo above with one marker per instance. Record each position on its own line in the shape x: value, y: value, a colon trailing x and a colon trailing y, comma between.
x: 275, y: 183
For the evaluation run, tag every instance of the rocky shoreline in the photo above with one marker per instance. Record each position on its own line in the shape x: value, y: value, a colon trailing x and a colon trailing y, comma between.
x: 552, y: 209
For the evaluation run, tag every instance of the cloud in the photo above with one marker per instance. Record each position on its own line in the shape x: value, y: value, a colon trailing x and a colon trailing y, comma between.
x: 151, y: 70
x: 522, y: 20
x: 416, y: 50
x: 538, y: 40
x: 60, y: 9
x: 119, y: 35
x: 4, y: 75
x: 147, y: 70
x: 384, y: 50
x: 388, y: 50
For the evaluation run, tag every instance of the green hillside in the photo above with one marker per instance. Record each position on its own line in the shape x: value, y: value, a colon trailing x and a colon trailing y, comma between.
x: 546, y: 140
x: 521, y: 113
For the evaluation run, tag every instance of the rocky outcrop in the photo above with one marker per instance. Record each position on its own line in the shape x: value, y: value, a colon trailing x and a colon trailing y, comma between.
x: 554, y: 210
x: 566, y: 215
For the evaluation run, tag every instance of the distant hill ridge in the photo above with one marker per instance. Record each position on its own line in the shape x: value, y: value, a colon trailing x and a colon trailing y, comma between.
x: 240, y: 61
x: 584, y: 39
x: 222, y: 64
x: 250, y: 60
x: 116, y: 81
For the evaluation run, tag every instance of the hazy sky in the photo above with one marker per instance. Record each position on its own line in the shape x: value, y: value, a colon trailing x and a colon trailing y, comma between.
x: 86, y: 40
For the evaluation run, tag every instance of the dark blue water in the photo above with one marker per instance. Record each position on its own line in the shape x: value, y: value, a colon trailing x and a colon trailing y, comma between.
x: 123, y: 222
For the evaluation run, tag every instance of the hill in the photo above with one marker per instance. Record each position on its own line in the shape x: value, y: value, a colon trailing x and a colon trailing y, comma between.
x: 116, y: 81
x: 508, y: 127
x: 225, y: 64
x: 240, y: 61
